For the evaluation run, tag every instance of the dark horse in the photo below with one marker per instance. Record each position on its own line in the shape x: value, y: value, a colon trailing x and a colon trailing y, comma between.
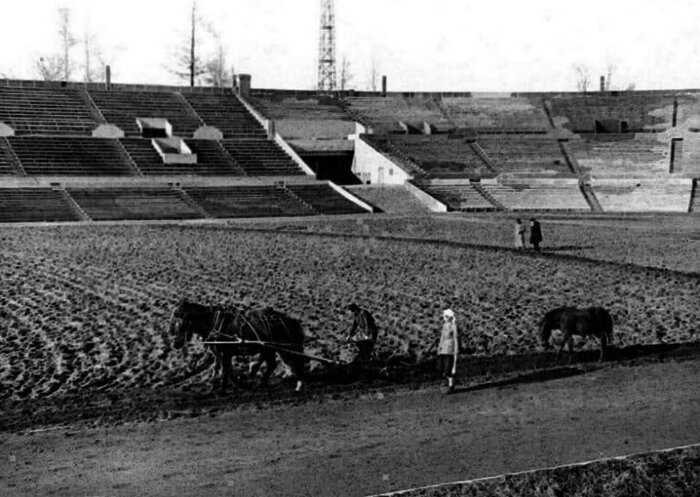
x: 282, y: 335
x: 594, y: 321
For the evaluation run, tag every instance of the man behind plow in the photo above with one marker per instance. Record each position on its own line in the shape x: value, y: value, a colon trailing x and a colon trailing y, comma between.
x: 363, y: 332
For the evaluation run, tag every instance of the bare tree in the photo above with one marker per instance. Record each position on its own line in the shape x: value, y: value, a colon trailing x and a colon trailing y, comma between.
x: 68, y: 41
x: 373, y: 74
x: 188, y: 64
x: 583, y: 77
x: 50, y: 68
x: 57, y: 66
x: 216, y: 70
x: 610, y: 71
x: 93, y: 60
x: 345, y: 74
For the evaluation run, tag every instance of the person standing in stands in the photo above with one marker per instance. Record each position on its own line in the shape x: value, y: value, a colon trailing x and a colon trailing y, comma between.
x: 535, y: 234
x: 363, y: 332
x: 448, y: 348
x: 519, y: 234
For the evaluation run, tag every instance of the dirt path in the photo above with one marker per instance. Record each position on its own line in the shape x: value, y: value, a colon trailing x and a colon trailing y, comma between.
x: 367, y: 445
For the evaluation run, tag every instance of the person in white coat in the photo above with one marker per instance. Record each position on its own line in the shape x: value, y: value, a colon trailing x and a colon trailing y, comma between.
x: 448, y: 348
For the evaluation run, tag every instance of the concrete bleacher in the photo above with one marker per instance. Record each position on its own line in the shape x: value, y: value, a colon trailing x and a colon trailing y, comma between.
x: 23, y: 205
x: 391, y: 199
x: 525, y: 155
x: 458, y: 196
x: 497, y: 114
x: 248, y: 201
x: 324, y: 199
x: 212, y: 158
x: 304, y: 117
x: 6, y: 166
x: 641, y: 112
x: 441, y: 156
x: 226, y: 113
x: 620, y: 155
x: 144, y: 203
x: 644, y: 195
x: 123, y: 108
x: 385, y: 113
x: 538, y: 195
x: 68, y: 156
x: 261, y: 157
x: 45, y: 111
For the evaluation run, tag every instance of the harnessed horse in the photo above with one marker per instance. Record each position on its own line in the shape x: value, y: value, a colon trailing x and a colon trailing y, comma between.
x: 238, y: 332
x: 594, y: 321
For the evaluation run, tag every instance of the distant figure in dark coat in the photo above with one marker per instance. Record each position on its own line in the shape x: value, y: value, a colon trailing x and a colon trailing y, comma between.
x: 363, y: 332
x: 535, y: 233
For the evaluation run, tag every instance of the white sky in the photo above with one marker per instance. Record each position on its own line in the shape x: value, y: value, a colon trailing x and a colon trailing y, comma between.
x: 459, y: 45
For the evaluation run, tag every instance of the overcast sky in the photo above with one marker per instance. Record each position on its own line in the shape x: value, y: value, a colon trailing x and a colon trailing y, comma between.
x: 460, y: 45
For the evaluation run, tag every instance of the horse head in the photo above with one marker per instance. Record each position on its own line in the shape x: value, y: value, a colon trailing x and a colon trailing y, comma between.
x: 545, y: 333
x: 186, y: 320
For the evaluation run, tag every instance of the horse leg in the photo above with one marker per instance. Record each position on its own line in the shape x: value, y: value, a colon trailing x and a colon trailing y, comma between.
x: 254, y: 366
x: 269, y: 357
x: 603, y: 346
x: 571, y: 348
x: 564, y: 341
x: 227, y: 370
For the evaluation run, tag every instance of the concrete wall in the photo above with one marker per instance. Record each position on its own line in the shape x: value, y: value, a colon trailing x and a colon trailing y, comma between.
x: 375, y: 168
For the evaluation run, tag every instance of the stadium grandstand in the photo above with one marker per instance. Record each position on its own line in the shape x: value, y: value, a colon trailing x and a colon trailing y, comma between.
x: 92, y: 152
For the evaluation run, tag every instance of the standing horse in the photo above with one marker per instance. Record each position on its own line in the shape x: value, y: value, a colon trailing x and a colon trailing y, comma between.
x: 279, y: 333
x: 594, y: 321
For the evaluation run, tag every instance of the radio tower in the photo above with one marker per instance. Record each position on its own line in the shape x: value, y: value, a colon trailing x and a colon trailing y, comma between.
x: 326, y: 47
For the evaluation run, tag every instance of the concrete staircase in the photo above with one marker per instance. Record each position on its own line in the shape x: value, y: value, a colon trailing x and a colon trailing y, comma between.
x: 79, y: 212
x: 695, y: 197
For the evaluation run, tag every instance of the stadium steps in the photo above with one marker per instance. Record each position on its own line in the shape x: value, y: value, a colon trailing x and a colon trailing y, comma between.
x: 79, y: 212
x: 27, y: 205
x: 191, y: 202
x: 591, y: 198
x: 547, y: 105
x: 544, y: 197
x: 247, y: 201
x: 92, y: 106
x: 261, y: 157
x: 525, y: 154
x: 695, y: 197
x: 301, y: 200
x: 123, y: 108
x: 45, y: 111
x: 226, y: 113
x: 127, y: 156
x: 392, y: 199
x: 324, y: 199
x: 498, y: 205
x: 9, y: 163
x: 188, y: 107
x: 70, y: 156
x: 478, y: 150
x: 458, y: 196
x: 132, y: 203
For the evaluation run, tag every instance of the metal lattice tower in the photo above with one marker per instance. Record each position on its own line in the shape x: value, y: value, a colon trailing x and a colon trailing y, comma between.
x: 326, y: 48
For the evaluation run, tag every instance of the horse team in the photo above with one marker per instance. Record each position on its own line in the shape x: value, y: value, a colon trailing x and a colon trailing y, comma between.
x: 265, y: 333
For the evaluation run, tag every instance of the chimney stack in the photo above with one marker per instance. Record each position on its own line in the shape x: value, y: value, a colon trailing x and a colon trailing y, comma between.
x: 383, y: 86
x: 602, y: 83
x: 244, y: 84
x: 108, y: 77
